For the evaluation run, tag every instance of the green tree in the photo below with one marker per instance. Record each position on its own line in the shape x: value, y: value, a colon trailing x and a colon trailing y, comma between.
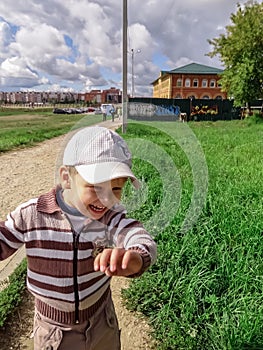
x: 241, y: 52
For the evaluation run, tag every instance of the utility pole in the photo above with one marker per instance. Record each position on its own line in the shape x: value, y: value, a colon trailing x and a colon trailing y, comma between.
x: 124, y: 68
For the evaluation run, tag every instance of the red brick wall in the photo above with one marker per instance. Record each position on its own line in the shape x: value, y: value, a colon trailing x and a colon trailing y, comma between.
x: 199, y: 91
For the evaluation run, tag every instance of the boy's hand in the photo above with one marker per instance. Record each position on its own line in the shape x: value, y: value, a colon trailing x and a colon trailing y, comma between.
x: 118, y: 262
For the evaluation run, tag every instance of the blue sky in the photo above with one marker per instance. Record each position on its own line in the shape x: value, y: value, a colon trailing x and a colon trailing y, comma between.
x: 77, y: 45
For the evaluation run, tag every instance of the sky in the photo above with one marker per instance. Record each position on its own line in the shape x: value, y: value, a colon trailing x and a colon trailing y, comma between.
x: 76, y: 45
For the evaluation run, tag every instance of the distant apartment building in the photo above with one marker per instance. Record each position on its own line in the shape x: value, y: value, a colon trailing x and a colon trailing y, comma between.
x: 195, y: 81
x: 39, y: 98
x: 94, y: 97
x: 111, y: 95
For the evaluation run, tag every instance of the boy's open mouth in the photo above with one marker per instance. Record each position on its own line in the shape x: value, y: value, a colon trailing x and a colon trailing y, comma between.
x: 96, y: 208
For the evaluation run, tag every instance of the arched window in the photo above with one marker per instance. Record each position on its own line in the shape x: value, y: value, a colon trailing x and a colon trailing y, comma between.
x: 179, y: 82
x: 219, y: 97
x: 195, y: 83
x: 204, y: 83
x: 178, y: 96
x: 187, y: 83
x: 206, y: 97
x: 212, y: 83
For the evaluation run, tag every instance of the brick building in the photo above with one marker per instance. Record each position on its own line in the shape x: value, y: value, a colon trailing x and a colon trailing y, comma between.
x: 111, y: 95
x: 191, y: 81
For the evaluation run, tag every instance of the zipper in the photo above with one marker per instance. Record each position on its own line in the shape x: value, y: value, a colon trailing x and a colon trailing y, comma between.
x: 75, y: 269
x: 75, y: 274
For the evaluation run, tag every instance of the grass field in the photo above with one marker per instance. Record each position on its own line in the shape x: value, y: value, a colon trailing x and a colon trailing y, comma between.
x: 205, y: 291
x: 20, y: 128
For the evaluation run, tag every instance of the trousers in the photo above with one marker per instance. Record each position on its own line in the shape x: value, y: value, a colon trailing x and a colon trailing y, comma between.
x: 100, y: 332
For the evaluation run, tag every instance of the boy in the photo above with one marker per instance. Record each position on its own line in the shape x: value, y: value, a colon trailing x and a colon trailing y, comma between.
x: 77, y: 237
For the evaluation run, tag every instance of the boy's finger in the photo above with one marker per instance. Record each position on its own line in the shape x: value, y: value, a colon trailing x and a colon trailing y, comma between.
x: 132, y: 260
x: 103, y: 260
x: 116, y: 254
x: 126, y: 259
x: 96, y: 263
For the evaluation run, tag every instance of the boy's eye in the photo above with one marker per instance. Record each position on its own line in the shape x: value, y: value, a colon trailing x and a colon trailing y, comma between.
x: 97, y: 188
x: 94, y: 188
x: 116, y: 189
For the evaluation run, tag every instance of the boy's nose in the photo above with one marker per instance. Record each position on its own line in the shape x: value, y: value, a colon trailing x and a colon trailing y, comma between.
x: 107, y: 197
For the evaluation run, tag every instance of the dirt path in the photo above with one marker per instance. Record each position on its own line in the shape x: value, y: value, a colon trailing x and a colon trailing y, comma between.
x: 25, y: 174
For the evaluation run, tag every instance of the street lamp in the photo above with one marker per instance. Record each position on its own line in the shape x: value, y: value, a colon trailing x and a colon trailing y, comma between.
x: 132, y: 61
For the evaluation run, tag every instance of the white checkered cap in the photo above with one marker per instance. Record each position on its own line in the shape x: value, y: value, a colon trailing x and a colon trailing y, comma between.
x: 99, y: 154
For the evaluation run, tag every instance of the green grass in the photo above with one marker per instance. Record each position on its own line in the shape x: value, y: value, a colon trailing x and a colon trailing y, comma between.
x: 206, y: 290
x: 26, y: 129
x: 11, y: 296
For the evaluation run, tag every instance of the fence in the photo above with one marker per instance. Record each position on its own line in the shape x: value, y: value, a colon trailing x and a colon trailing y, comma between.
x: 170, y: 109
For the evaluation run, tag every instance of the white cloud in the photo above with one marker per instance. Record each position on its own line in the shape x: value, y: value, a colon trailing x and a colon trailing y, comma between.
x: 43, y: 81
x: 5, y: 34
x: 43, y: 40
x: 10, y: 67
x: 78, y: 44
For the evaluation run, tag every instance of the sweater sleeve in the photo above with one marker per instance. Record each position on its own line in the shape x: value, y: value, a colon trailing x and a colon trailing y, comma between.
x: 11, y: 238
x: 130, y: 234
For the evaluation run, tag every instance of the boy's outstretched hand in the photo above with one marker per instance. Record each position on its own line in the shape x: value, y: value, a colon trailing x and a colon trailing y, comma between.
x: 118, y: 262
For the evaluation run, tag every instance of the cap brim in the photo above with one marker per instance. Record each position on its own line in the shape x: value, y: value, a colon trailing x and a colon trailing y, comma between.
x: 101, y: 172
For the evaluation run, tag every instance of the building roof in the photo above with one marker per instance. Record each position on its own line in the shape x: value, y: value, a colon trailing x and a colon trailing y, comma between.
x: 195, y: 68
x: 191, y: 68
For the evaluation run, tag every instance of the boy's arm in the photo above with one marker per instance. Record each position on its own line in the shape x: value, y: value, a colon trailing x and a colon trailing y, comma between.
x: 146, y: 259
x: 10, y: 238
x: 134, y: 237
x: 134, y: 253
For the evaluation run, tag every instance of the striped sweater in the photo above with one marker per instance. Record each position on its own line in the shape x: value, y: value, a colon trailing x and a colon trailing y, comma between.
x: 60, y: 262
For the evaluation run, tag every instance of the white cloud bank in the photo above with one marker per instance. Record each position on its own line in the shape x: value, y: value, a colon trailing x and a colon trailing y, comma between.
x: 78, y: 44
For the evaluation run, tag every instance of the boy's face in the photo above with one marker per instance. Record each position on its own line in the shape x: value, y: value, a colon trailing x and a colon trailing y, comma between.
x: 93, y: 200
